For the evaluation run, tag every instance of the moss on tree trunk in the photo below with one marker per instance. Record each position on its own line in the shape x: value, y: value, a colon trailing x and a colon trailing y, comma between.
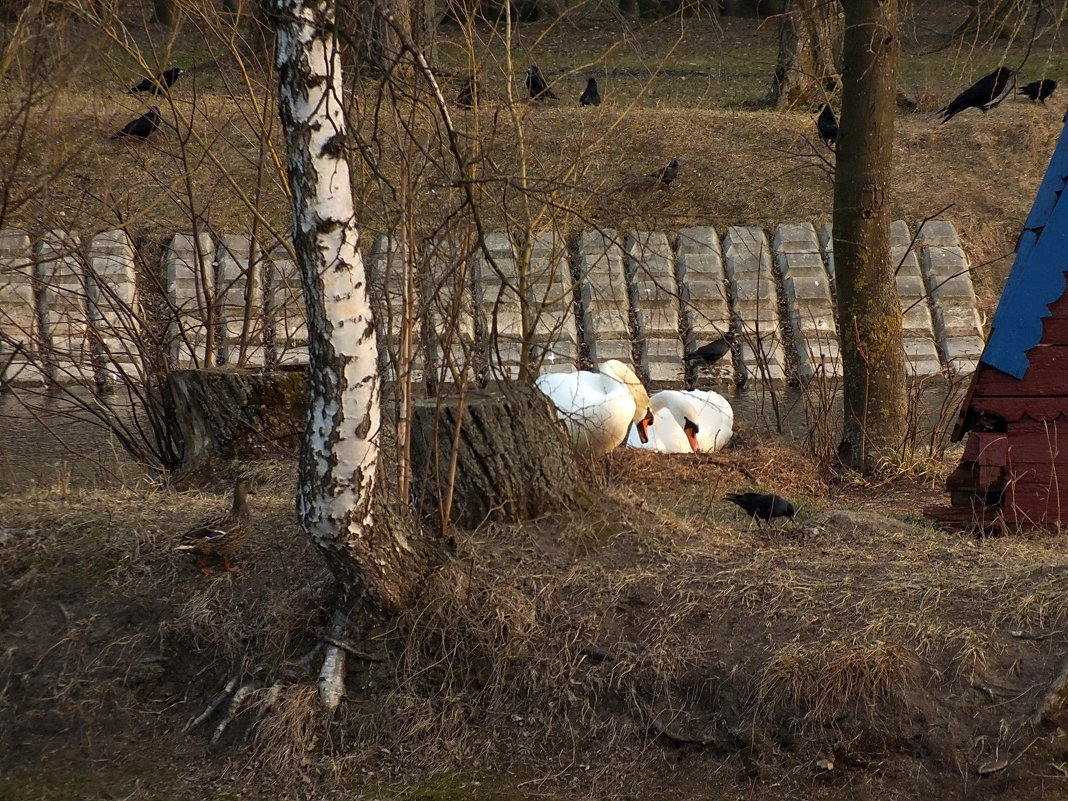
x: 868, y: 308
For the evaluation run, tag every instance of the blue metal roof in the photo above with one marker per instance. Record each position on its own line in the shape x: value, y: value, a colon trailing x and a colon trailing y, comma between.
x: 1037, y: 277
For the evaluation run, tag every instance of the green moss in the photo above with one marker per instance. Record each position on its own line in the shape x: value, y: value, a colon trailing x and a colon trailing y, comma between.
x: 455, y: 787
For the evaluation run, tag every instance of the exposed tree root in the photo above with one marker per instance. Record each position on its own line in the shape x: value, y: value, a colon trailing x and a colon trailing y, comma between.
x: 237, y: 700
x: 332, y: 674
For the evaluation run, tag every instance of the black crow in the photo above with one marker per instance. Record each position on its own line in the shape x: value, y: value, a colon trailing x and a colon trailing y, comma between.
x: 161, y: 83
x: 468, y: 95
x: 712, y: 352
x: 1039, y: 90
x: 827, y: 124
x: 665, y: 175
x: 535, y: 81
x: 590, y: 97
x: 980, y: 95
x: 141, y: 128
x: 762, y: 507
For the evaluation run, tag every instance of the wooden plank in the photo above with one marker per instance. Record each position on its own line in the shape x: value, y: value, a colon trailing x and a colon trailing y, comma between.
x: 1013, y: 409
x: 1047, y: 375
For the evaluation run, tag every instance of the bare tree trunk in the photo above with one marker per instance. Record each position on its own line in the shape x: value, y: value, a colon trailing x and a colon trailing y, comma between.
x: 810, y: 44
x: 378, y: 567
x: 868, y: 310
x: 163, y: 12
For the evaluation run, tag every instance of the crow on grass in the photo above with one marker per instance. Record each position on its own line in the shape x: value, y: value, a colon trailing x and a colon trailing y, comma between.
x: 591, y: 96
x: 980, y: 95
x: 537, y: 87
x: 1039, y: 90
x: 161, y: 83
x: 827, y: 124
x: 141, y: 128
x: 762, y: 507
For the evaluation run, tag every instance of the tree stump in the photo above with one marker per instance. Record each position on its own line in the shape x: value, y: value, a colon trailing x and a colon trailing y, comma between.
x: 230, y: 413
x: 513, y: 460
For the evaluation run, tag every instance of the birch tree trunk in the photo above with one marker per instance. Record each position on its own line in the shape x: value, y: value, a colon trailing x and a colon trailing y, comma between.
x: 379, y: 563
x: 868, y: 308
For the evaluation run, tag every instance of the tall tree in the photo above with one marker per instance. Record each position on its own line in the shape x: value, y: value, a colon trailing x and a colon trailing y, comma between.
x: 810, y: 45
x: 868, y: 308
x: 378, y: 565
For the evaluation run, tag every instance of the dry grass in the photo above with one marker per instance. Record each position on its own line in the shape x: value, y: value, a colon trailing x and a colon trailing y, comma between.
x: 571, y: 636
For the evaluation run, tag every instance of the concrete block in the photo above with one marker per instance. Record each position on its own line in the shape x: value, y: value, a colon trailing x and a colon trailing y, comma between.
x: 916, y: 317
x: 910, y: 287
x: 612, y: 348
x: 753, y: 290
x: 188, y: 265
x: 63, y: 309
x: 939, y: 233
x: 899, y: 234
x: 795, y: 238
x: 800, y: 265
x: 921, y: 357
x: 746, y: 250
x: 806, y: 321
x: 239, y: 301
x: 287, y: 326
x: 957, y: 321
x: 19, y: 326
x: 956, y: 291
x: 906, y: 263
x: 398, y: 320
x: 818, y: 357
x: 942, y: 262
x: 699, y: 240
x: 114, y: 312
x: 826, y: 237
x: 808, y: 290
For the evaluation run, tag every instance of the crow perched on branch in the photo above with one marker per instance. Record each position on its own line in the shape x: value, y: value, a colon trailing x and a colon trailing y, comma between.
x: 827, y: 124
x: 590, y: 97
x: 141, y: 128
x: 161, y: 83
x: 537, y: 87
x: 980, y: 95
x: 762, y: 507
x: 1039, y: 90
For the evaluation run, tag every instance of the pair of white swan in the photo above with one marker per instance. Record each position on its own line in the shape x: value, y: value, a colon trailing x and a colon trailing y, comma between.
x: 684, y: 422
x: 599, y: 408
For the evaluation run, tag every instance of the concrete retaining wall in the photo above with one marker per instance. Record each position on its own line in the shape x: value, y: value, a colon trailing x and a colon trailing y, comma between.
x: 70, y: 307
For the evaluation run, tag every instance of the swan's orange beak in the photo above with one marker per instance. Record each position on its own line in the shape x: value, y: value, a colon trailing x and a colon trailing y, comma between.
x: 691, y: 430
x: 643, y: 426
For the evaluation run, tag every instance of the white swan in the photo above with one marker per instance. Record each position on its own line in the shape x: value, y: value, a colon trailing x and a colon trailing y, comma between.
x: 663, y: 435
x: 690, y: 421
x: 598, y: 408
x: 715, y: 420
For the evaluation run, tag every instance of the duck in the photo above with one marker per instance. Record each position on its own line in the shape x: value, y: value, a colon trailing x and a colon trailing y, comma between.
x: 599, y: 408
x: 217, y: 537
x: 691, y: 421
